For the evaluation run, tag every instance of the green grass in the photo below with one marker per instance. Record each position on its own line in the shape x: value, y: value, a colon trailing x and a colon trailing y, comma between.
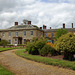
x: 49, y: 61
x: 10, y: 48
x: 4, y: 71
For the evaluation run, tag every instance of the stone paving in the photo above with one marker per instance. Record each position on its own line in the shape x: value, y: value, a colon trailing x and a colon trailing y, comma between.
x: 21, y: 66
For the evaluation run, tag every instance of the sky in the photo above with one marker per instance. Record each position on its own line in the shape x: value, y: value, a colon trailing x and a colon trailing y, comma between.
x: 52, y: 13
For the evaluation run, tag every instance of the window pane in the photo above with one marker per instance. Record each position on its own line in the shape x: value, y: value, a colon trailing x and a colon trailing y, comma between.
x: 3, y: 34
x: 15, y: 41
x: 45, y: 34
x: 16, y: 33
x: 24, y: 33
x: 9, y: 41
x: 52, y: 34
x: 31, y: 32
x: 24, y: 41
x: 9, y: 33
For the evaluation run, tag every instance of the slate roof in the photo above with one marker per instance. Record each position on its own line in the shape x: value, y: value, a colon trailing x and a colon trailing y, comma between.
x: 54, y: 30
x: 21, y: 27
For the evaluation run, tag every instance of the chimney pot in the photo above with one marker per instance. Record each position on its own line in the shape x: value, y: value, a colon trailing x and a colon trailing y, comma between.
x: 44, y: 27
x: 50, y: 28
x: 29, y: 22
x: 40, y: 27
x: 16, y: 23
x: 63, y: 25
x: 72, y: 25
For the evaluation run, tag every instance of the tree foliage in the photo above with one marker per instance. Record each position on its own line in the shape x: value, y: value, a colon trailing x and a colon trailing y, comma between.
x: 60, y: 32
x: 66, y: 43
x: 3, y: 42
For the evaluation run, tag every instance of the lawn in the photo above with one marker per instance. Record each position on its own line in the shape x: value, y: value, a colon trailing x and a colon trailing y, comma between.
x: 10, y: 48
x: 4, y: 71
x: 49, y: 61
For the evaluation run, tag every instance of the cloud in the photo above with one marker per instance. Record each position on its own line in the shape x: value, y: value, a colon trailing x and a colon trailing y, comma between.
x: 59, y: 1
x: 51, y: 14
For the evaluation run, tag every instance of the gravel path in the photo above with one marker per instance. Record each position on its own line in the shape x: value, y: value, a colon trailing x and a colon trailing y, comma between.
x: 21, y: 66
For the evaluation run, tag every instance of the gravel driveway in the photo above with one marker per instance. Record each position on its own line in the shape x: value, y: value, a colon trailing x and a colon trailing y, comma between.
x: 21, y: 66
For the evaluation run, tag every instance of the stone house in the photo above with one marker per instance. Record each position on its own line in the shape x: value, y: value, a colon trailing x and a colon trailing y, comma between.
x: 20, y: 34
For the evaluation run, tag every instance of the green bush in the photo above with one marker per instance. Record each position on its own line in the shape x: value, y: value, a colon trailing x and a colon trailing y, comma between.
x: 36, y: 45
x: 21, y: 45
x: 60, y: 32
x: 3, y: 43
x: 66, y: 43
x: 47, y: 50
x: 10, y: 45
x: 34, y: 39
x: 32, y: 49
x: 40, y: 44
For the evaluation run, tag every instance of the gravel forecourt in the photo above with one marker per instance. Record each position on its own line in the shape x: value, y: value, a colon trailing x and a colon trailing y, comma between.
x: 22, y: 66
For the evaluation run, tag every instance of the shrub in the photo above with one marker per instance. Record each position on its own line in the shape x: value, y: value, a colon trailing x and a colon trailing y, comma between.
x: 52, y: 45
x: 34, y: 39
x: 36, y: 45
x: 32, y: 49
x: 66, y: 43
x: 60, y: 32
x: 3, y: 43
x: 48, y: 50
x: 21, y: 45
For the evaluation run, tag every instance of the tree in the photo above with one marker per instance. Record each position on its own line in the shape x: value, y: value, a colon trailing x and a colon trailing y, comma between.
x: 60, y: 32
x: 66, y: 43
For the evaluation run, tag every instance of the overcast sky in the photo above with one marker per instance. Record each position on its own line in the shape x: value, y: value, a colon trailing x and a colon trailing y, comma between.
x: 52, y: 13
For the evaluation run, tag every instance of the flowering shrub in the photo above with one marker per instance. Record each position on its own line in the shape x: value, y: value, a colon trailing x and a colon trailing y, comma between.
x: 52, y: 45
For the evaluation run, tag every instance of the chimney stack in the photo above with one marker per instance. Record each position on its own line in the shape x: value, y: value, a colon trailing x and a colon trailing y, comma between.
x: 50, y: 28
x: 40, y: 27
x: 16, y: 23
x: 44, y: 27
x: 29, y: 22
x: 63, y: 25
x: 72, y: 25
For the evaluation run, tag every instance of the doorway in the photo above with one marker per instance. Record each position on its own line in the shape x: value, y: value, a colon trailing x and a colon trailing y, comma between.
x: 19, y: 40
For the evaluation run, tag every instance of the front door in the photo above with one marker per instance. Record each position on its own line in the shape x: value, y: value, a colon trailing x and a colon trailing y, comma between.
x: 20, y: 40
